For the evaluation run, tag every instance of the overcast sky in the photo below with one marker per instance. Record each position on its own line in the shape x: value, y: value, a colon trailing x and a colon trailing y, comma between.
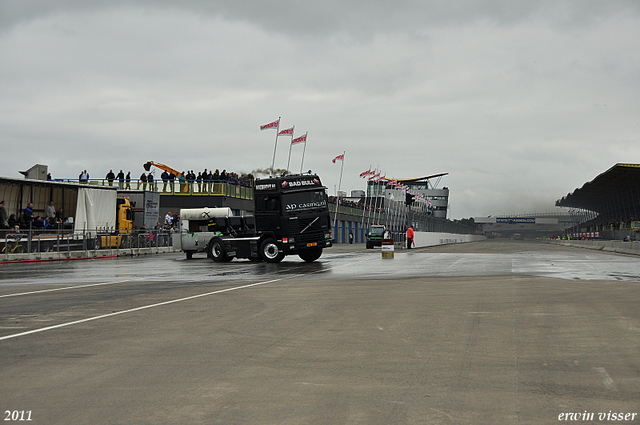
x: 520, y: 102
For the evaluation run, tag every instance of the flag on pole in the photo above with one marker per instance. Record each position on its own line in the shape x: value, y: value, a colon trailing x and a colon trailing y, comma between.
x: 299, y: 139
x: 365, y: 173
x: 274, y: 124
x: 287, y: 132
x: 338, y: 158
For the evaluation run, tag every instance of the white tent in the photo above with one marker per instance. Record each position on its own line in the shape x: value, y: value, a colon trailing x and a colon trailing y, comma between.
x: 96, y: 209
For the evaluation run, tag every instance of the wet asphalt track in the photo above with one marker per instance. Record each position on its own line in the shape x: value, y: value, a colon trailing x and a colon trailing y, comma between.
x: 482, y: 333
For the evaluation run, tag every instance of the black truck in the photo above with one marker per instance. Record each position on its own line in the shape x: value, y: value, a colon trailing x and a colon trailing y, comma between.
x: 291, y: 216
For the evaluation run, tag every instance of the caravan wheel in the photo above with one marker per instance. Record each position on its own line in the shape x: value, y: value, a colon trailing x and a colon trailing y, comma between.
x: 216, y: 250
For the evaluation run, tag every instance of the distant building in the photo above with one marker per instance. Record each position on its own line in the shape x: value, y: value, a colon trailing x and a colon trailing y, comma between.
x: 37, y: 172
x: 424, y: 186
x: 528, y: 226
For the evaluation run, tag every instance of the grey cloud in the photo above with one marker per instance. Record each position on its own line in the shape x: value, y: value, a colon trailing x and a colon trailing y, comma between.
x: 357, y: 17
x: 508, y: 97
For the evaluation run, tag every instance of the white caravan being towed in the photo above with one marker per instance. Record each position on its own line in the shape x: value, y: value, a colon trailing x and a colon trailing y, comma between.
x: 194, y: 228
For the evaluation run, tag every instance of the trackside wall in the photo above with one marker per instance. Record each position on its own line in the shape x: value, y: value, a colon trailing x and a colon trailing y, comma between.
x: 608, y: 246
x: 423, y: 239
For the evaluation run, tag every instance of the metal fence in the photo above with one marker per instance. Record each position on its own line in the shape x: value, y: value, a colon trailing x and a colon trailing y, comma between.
x: 33, y: 243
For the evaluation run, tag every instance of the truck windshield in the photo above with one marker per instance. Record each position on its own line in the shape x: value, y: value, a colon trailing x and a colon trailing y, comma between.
x: 300, y: 201
x: 376, y: 231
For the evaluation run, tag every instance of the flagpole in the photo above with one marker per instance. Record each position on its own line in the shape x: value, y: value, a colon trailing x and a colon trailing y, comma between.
x: 368, y: 201
x: 274, y: 148
x: 304, y: 149
x: 377, y: 211
x: 364, y: 207
x: 335, y: 217
x: 371, y: 201
x: 289, y: 160
x: 290, y: 145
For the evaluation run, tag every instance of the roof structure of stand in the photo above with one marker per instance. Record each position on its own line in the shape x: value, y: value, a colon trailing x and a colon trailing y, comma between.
x: 614, y: 194
x: 423, y: 179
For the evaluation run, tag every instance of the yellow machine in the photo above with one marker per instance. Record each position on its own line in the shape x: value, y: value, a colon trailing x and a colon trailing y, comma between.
x: 124, y: 226
x: 166, y: 168
x: 147, y: 166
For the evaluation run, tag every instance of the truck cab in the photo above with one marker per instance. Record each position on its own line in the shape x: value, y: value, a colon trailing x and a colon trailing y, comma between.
x: 375, y: 235
x: 293, y: 213
x: 123, y: 229
x: 291, y: 216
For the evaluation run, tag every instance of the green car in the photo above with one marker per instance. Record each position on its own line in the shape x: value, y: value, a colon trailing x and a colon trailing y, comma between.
x: 374, y: 236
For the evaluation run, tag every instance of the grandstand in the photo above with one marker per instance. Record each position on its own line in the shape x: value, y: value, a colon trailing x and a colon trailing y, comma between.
x: 609, y: 205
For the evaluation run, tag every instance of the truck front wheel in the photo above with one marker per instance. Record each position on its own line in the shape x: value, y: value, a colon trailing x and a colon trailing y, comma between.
x: 269, y: 251
x: 216, y: 250
x: 310, y: 255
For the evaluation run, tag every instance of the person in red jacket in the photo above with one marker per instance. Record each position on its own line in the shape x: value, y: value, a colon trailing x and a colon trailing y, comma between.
x: 409, y: 237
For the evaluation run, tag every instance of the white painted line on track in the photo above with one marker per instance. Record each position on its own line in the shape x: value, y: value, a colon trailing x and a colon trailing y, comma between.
x: 63, y: 289
x: 145, y: 307
x: 608, y: 382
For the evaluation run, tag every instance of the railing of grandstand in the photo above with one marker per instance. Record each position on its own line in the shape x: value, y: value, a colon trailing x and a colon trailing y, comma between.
x: 209, y: 188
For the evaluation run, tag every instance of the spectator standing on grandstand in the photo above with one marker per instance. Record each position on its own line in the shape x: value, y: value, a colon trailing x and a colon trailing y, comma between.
x: 3, y: 216
x: 143, y: 181
x: 168, y: 220
x: 165, y: 179
x: 205, y: 180
x: 199, y: 180
x: 28, y: 215
x: 172, y: 181
x: 190, y: 177
x: 110, y: 177
x: 120, y: 178
x: 128, y: 180
x: 50, y: 212
x: 152, y: 186
x: 181, y: 181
